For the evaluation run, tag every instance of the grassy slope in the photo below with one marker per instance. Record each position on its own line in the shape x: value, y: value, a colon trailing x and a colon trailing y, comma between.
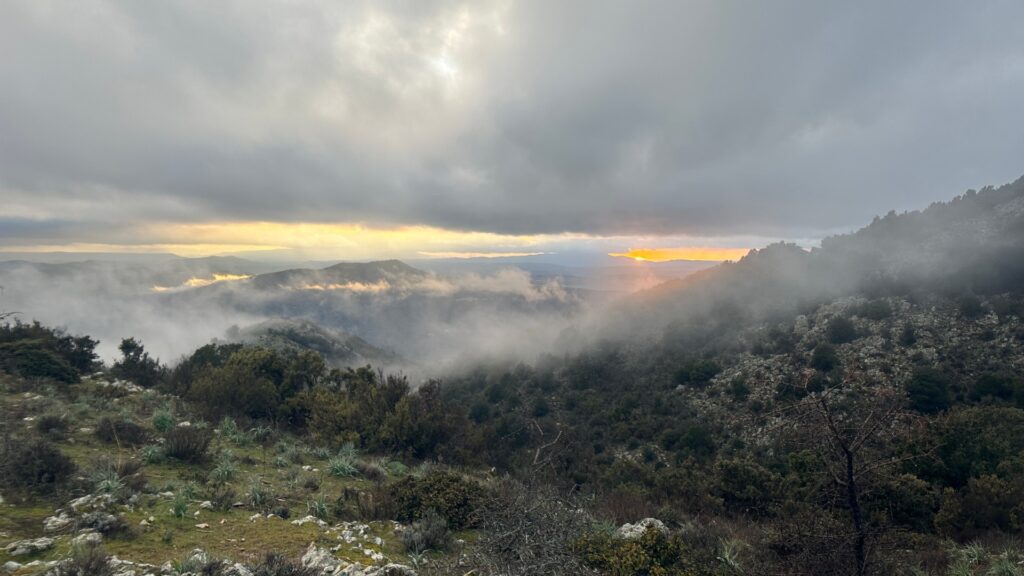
x: 230, y: 534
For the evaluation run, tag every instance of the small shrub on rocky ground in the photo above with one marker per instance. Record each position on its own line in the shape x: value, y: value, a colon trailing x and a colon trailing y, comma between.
x: 163, y: 420
x: 446, y: 493
x: 342, y: 466
x: 372, y: 471
x: 187, y: 443
x: 152, y: 454
x: 85, y: 560
x: 318, y: 507
x: 277, y: 565
x: 260, y: 496
x: 116, y: 430
x: 430, y: 532
x: 33, y: 464
x: 53, y: 425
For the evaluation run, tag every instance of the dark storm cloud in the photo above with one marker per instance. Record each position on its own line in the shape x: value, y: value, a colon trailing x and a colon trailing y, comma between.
x: 620, y: 117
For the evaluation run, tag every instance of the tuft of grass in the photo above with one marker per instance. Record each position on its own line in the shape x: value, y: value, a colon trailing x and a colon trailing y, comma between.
x: 260, y: 496
x: 152, y: 454
x: 107, y: 481
x: 318, y: 508
x: 179, y: 506
x: 342, y: 466
x: 224, y: 472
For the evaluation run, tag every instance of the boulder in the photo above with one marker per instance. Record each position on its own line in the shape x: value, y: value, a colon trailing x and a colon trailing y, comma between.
x: 58, y: 523
x: 634, y: 531
x: 23, y: 547
x: 87, y: 539
x: 320, y: 560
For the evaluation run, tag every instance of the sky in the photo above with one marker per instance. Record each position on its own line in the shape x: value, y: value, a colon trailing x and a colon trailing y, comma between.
x: 360, y: 130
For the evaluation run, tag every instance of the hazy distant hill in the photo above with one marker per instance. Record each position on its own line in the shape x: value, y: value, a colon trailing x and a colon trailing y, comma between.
x: 420, y: 315
x: 973, y: 243
x: 337, y: 348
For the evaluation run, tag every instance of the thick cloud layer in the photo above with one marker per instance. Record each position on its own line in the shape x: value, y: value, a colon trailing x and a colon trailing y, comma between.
x: 697, y: 117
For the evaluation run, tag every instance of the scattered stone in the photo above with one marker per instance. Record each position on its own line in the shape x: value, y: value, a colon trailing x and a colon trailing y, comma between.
x: 206, y: 505
x: 57, y: 523
x: 184, y: 424
x: 23, y: 547
x: 11, y: 567
x: 204, y: 525
x: 308, y: 519
x: 87, y: 538
x: 634, y: 531
x: 320, y: 559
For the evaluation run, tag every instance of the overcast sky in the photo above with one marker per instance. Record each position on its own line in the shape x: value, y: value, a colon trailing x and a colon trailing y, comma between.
x: 617, y: 124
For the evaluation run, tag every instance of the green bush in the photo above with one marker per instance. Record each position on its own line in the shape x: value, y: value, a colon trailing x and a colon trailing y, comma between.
x: 874, y: 310
x: 136, y: 366
x: 52, y: 425
x: 824, y: 357
x: 928, y: 390
x: 163, y: 420
x: 840, y: 330
x: 697, y: 373
x: 970, y: 306
x: 34, y: 464
x: 31, y: 359
x: 446, y: 493
x: 115, y: 430
x: 652, y: 554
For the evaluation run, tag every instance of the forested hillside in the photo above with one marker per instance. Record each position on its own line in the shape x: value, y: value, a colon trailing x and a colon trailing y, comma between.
x: 853, y: 409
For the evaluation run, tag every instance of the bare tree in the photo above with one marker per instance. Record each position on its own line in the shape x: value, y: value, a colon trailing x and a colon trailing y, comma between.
x: 854, y: 427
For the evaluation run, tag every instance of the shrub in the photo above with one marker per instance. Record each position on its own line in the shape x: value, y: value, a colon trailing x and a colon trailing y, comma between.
x: 840, y: 330
x: 430, y: 532
x: 970, y: 306
x: 874, y: 310
x: 163, y: 420
x: 928, y: 390
x: 136, y: 366
x: 445, y: 493
x: 277, y: 565
x: 31, y: 359
x: 85, y: 560
x: 372, y: 471
x: 187, y: 443
x: 120, y: 431
x: 35, y: 464
x: 53, y: 425
x: 654, y: 552
x: 908, y: 337
x: 824, y: 357
x: 697, y: 373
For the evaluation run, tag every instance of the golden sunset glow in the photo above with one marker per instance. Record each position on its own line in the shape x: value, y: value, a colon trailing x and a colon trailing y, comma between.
x: 684, y: 253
